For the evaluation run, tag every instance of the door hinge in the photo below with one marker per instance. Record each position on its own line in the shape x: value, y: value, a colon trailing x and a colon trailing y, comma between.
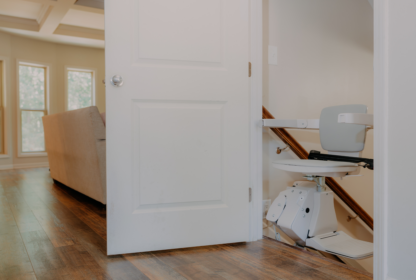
x: 249, y: 194
x: 249, y: 69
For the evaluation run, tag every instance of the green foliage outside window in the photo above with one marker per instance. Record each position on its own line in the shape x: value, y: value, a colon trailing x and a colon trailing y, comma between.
x: 32, y: 104
x: 32, y: 87
x: 32, y: 131
x: 79, y: 89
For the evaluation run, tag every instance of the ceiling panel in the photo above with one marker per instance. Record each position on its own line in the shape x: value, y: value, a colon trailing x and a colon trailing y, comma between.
x: 91, y: 3
x: 21, y: 9
x: 57, y: 38
x: 84, y: 19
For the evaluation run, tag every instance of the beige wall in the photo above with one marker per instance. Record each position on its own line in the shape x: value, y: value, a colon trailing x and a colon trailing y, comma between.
x: 57, y: 56
x: 325, y: 58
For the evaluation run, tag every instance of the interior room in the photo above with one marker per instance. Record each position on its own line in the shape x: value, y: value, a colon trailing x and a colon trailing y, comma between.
x: 210, y: 139
x: 324, y: 58
x: 49, y: 57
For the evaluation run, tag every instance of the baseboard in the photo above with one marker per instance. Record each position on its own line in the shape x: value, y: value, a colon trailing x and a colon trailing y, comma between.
x: 30, y: 165
x: 6, y: 167
x: 24, y: 165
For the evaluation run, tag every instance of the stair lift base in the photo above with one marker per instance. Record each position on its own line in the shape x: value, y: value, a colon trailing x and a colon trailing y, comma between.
x: 306, y: 213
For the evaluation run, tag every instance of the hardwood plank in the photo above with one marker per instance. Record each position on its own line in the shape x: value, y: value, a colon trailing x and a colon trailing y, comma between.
x: 153, y: 267
x: 296, y: 254
x: 306, y: 257
x: 253, y: 248
x: 185, y: 256
x: 95, y: 206
x: 209, y: 259
x: 197, y: 271
x: 22, y: 213
x: 8, y: 227
x: 84, y: 213
x: 54, y: 227
x: 79, y: 264
x: 345, y: 273
x: 58, y: 236
x: 29, y: 205
x: 27, y: 276
x: 224, y: 268
x: 291, y: 269
x: 116, y: 266
x: 172, y: 258
x: 42, y: 253
x: 64, y: 237
x: 242, y: 259
x: 14, y: 260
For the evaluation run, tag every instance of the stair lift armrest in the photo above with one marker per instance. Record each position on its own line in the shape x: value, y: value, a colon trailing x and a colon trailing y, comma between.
x: 356, y: 118
x: 297, y: 124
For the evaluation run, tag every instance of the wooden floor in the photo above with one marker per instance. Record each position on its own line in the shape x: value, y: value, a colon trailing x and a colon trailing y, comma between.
x: 48, y: 231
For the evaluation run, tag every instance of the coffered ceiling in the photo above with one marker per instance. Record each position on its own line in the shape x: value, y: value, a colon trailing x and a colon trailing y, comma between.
x: 63, y: 21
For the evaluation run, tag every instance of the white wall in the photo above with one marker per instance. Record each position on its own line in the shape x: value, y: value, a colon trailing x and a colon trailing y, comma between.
x: 58, y: 56
x: 399, y: 83
x: 325, y: 58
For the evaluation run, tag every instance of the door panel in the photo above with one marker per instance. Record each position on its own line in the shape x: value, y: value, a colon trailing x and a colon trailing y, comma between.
x: 178, y: 128
x: 194, y: 34
x: 198, y: 156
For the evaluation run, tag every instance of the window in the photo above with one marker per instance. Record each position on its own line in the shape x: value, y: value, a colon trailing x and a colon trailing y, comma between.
x: 32, y: 107
x: 80, y: 88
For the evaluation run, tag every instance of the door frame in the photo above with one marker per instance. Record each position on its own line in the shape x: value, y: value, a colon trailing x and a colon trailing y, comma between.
x: 380, y: 129
x: 381, y: 38
x: 256, y: 128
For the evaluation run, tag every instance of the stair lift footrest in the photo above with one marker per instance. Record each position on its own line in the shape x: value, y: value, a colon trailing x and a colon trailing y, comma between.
x: 341, y: 244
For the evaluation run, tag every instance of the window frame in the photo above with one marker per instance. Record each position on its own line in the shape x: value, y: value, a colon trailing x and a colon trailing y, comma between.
x: 3, y: 105
x: 93, y: 82
x: 19, y: 62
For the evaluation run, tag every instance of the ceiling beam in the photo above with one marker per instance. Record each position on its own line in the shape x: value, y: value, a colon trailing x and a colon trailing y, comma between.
x: 19, y: 23
x: 76, y: 31
x: 88, y: 9
x: 42, y: 13
x: 45, y: 2
x: 54, y: 15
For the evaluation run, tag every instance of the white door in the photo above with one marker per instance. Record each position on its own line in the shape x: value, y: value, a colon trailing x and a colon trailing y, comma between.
x: 178, y: 127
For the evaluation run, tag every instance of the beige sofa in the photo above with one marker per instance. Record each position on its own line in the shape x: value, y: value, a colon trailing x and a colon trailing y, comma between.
x: 75, y: 143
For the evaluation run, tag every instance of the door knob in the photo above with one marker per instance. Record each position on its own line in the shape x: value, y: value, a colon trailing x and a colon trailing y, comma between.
x: 117, y: 81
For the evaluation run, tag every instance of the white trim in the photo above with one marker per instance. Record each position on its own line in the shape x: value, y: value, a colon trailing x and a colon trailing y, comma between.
x: 33, y: 154
x: 6, y: 166
x: 380, y: 137
x: 47, y: 66
x: 256, y: 93
x: 94, y: 81
x: 24, y: 165
x: 6, y: 153
x: 30, y: 165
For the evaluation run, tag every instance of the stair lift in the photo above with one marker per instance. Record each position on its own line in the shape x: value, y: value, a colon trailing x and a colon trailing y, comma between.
x: 305, y: 211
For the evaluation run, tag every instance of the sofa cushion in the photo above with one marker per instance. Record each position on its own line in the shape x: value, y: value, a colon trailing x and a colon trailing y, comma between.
x: 76, y: 147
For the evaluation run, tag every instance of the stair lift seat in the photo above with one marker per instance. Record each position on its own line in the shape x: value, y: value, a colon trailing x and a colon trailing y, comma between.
x: 305, y: 211
x: 317, y: 167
